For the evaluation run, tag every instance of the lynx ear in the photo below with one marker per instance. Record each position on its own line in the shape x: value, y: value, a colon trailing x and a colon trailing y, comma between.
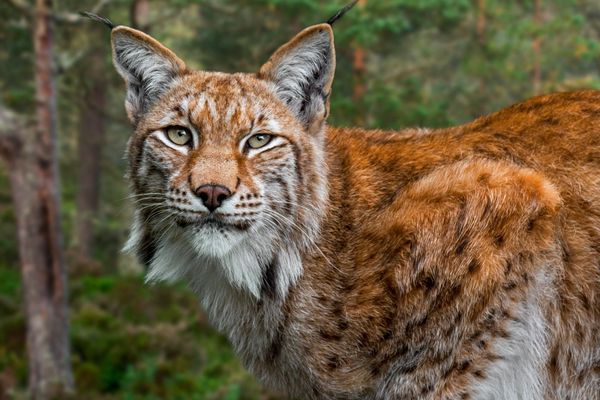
x: 302, y: 71
x: 147, y: 66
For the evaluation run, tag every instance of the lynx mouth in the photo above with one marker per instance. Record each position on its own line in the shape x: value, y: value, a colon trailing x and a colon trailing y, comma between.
x: 217, y: 222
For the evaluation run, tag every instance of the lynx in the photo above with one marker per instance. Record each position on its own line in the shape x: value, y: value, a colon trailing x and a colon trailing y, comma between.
x: 344, y: 263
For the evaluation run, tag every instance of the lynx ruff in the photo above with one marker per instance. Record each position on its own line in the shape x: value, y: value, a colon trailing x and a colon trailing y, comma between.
x: 343, y: 263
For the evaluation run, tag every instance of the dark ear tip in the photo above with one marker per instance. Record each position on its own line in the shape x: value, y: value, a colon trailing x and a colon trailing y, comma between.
x: 97, y: 18
x: 338, y: 15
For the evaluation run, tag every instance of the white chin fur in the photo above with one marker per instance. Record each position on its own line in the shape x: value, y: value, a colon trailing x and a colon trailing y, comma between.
x: 209, y: 242
x: 196, y: 256
x: 202, y: 256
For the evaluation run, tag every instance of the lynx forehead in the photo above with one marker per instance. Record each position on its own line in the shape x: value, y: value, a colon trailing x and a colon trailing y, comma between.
x: 459, y: 263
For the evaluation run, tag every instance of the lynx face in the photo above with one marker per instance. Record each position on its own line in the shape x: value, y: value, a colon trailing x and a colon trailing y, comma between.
x: 229, y: 164
x: 225, y: 161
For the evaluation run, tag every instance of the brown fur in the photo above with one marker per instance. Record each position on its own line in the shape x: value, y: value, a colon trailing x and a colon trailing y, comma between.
x: 439, y: 234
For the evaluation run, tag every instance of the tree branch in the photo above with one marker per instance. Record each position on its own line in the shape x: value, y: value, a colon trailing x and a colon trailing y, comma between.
x: 61, y: 17
x: 21, y: 6
x: 74, y: 18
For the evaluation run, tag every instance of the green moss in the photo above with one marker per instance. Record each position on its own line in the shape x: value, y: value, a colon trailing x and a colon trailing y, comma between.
x: 135, y: 341
x: 10, y: 283
x: 90, y: 286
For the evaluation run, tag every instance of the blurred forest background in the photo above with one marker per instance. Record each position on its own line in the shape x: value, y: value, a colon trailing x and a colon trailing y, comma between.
x: 400, y: 63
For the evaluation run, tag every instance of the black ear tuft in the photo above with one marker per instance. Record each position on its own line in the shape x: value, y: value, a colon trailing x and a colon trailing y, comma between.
x: 97, y: 18
x: 341, y: 13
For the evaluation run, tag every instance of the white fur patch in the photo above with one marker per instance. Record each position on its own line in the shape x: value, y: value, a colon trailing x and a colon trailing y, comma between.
x: 520, y: 373
x: 135, y: 234
x: 241, y: 258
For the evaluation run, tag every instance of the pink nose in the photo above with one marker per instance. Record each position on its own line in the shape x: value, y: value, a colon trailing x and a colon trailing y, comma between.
x: 212, y: 195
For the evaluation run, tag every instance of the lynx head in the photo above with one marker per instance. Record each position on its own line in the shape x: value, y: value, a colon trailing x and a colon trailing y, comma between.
x: 227, y: 170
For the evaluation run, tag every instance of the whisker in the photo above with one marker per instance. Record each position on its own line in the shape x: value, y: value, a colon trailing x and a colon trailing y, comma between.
x: 293, y: 204
x: 134, y: 195
x: 153, y: 205
x: 275, y: 214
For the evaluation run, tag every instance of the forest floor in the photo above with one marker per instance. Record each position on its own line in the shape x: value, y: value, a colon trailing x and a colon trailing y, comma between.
x: 129, y: 341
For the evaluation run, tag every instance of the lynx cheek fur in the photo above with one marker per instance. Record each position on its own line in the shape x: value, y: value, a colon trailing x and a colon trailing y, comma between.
x: 460, y: 263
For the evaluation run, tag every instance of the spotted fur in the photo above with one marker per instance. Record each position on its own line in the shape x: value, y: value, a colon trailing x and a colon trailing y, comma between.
x: 458, y: 263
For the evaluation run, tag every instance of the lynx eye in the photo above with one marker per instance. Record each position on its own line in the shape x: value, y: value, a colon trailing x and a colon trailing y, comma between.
x: 178, y: 135
x: 259, y: 140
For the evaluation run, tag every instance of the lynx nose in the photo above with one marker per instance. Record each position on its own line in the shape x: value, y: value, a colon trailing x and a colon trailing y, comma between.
x: 213, y: 195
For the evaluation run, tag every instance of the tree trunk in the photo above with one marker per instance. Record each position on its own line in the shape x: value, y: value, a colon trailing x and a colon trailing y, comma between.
x: 35, y: 183
x: 481, y: 21
x: 92, y: 129
x: 537, y: 48
x: 139, y: 15
x: 359, y: 70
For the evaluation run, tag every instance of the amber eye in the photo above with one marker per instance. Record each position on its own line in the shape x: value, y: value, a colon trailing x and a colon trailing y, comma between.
x: 259, y: 140
x: 178, y: 135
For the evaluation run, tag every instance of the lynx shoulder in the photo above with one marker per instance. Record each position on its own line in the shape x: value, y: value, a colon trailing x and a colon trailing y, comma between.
x: 459, y: 263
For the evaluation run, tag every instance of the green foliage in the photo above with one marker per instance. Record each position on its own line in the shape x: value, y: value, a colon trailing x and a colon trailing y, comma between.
x: 131, y: 341
x: 12, y: 326
x: 16, y: 86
